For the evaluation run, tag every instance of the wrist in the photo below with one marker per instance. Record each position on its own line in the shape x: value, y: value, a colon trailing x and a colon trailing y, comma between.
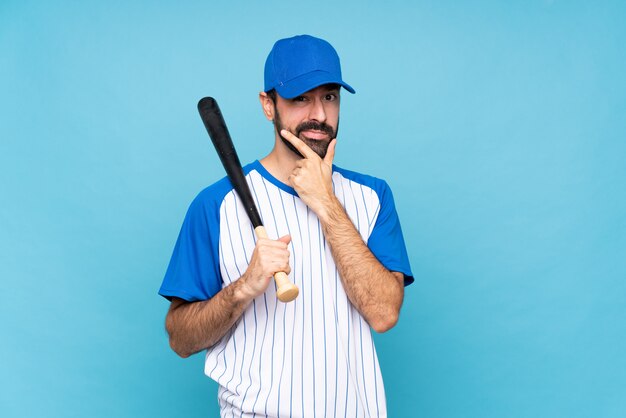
x: 329, y: 211
x: 241, y: 292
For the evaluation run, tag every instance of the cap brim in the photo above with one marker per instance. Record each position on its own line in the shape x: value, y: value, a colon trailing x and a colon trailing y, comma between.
x: 299, y: 85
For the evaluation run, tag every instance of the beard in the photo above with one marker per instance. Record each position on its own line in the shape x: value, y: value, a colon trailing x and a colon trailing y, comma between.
x: 319, y: 146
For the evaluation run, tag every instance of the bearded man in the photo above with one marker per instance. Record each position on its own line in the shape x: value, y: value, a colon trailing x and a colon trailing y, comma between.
x: 338, y: 239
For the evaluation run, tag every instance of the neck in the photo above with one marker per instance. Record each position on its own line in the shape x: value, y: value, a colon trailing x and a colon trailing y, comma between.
x: 281, y: 161
x: 280, y: 164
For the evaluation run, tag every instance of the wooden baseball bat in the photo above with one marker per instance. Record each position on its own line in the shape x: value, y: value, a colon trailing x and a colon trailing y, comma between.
x: 216, y: 127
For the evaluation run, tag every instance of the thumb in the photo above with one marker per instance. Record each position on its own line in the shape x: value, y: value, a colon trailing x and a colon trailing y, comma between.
x: 286, y: 239
x: 330, y: 152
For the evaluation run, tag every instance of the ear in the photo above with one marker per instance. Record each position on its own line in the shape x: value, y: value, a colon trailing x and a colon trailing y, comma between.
x: 268, y: 105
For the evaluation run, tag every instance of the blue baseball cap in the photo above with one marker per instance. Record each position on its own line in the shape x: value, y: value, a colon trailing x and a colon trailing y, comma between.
x: 302, y: 63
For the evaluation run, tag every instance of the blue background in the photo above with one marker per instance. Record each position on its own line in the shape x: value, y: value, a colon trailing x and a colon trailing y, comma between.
x: 499, y: 125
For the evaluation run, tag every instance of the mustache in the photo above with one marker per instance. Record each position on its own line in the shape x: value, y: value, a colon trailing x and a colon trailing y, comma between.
x: 317, y: 126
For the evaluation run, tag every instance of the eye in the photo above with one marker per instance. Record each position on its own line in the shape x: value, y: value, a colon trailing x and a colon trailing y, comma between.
x: 331, y: 97
x: 299, y: 99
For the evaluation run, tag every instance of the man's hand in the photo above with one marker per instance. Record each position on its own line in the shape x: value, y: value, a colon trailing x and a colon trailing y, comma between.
x: 268, y: 257
x: 312, y: 177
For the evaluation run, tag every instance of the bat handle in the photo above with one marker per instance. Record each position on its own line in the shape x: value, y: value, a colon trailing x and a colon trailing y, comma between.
x: 286, y: 291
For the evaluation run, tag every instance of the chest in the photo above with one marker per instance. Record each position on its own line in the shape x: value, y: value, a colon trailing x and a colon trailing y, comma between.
x: 283, y: 213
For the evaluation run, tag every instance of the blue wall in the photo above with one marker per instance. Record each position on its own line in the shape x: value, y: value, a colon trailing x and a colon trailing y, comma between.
x: 500, y: 126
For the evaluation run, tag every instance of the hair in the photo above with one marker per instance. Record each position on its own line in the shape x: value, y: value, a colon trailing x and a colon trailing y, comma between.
x: 272, y: 95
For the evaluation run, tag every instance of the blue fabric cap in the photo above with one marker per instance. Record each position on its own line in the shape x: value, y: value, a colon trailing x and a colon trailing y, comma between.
x: 302, y: 63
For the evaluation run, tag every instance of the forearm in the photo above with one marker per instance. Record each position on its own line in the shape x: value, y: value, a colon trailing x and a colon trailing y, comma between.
x: 195, y: 326
x: 376, y: 292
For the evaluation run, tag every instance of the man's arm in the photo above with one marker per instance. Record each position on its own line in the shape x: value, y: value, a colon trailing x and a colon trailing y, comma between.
x: 195, y: 326
x: 376, y: 292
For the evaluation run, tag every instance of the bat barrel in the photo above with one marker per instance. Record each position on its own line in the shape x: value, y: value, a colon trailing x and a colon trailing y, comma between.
x: 216, y: 127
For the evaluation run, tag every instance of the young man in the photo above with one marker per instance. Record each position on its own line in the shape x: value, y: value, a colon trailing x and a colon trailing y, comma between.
x: 339, y: 239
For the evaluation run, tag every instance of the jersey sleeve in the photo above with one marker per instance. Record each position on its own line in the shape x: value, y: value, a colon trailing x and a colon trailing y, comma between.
x: 193, y: 273
x: 386, y: 241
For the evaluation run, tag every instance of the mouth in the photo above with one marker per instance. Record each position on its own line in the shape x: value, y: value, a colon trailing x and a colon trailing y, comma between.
x: 315, y: 134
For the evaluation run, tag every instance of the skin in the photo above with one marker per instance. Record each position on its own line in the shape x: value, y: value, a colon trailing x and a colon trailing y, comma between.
x: 375, y: 292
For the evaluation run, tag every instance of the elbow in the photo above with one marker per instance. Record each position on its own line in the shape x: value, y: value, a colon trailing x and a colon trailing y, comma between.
x: 386, y: 317
x: 175, y: 343
x: 388, y: 313
x: 385, y: 322
x: 178, y: 349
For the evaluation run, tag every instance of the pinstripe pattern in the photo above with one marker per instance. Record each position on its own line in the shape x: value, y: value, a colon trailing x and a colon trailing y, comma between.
x: 315, y: 356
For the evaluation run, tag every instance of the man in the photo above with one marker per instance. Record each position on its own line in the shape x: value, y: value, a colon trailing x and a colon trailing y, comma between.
x: 339, y: 241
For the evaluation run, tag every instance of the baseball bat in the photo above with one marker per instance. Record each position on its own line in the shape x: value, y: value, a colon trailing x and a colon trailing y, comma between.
x: 216, y: 127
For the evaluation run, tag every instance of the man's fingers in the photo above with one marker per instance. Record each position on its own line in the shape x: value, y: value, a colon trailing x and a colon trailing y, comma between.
x: 330, y: 153
x: 281, y: 242
x: 286, y: 239
x: 304, y: 149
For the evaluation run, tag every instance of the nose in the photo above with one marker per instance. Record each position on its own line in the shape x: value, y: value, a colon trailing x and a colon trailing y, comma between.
x: 317, y: 111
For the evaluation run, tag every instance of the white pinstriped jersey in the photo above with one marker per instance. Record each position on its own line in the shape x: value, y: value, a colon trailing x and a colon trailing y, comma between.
x: 309, y: 358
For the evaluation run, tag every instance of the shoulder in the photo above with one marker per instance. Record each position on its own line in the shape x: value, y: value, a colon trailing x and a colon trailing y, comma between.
x: 206, y: 205
x: 379, y: 186
x: 213, y: 196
